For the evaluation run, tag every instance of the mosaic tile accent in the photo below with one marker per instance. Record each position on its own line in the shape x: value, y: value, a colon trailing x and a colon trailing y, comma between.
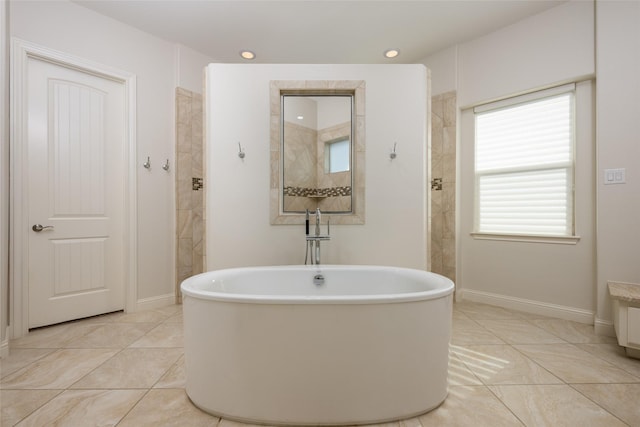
x: 322, y: 192
x: 436, y: 184
x: 197, y: 183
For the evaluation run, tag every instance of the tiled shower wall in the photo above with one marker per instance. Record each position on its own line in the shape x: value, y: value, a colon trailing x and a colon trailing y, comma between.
x: 443, y: 184
x: 304, y: 171
x: 189, y: 182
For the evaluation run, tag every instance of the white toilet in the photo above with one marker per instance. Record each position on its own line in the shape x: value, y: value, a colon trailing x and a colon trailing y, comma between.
x: 626, y: 315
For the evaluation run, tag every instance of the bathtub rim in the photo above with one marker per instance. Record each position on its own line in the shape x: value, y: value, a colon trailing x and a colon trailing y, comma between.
x: 445, y: 287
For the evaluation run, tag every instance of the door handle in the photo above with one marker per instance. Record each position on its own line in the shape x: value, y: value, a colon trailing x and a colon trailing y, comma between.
x: 38, y: 227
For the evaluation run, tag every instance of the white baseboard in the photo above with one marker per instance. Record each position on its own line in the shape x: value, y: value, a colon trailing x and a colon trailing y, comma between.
x: 604, y: 327
x: 155, y: 302
x: 529, y: 306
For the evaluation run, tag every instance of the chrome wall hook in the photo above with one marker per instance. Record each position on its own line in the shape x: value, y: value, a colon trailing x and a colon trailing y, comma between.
x: 166, y: 166
x: 240, y: 152
x: 393, y: 154
x: 147, y: 164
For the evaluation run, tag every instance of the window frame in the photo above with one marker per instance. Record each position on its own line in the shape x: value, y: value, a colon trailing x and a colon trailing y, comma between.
x: 569, y: 165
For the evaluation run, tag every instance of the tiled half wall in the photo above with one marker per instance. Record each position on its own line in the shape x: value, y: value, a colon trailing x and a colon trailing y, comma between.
x: 443, y: 184
x: 190, y: 228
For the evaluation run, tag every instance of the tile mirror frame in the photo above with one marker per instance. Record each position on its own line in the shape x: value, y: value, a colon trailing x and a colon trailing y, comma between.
x: 356, y: 88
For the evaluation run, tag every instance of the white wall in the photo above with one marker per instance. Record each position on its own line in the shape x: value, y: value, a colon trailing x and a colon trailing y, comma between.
x: 550, y: 48
x: 190, y: 67
x: 158, y: 66
x: 548, y: 278
x: 547, y: 48
x: 239, y: 232
x: 529, y: 60
x: 444, y: 70
x: 618, y: 135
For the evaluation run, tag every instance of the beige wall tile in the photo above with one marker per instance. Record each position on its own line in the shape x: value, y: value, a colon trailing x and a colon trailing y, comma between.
x: 183, y: 166
x: 189, y: 202
x: 184, y: 189
x: 185, y: 249
x: 443, y: 166
x: 184, y: 221
x: 449, y: 111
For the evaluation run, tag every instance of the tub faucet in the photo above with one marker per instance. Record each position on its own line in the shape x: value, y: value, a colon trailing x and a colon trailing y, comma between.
x: 318, y: 214
x: 313, y: 242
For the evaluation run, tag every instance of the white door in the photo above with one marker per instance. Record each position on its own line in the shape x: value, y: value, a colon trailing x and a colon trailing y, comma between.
x: 76, y: 193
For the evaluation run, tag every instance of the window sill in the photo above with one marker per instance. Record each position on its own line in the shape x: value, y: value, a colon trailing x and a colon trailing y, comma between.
x: 562, y: 240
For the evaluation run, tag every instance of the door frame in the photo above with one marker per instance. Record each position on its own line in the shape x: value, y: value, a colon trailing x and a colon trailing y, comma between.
x: 21, y: 52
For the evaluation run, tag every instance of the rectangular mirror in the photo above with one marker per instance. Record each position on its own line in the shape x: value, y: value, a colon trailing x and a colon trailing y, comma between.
x: 317, y: 150
x: 317, y: 153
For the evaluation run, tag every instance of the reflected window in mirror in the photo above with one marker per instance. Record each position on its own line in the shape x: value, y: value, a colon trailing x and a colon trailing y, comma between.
x: 337, y: 156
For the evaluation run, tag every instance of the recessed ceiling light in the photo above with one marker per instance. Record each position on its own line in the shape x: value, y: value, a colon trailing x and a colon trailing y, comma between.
x: 247, y: 54
x: 391, y: 53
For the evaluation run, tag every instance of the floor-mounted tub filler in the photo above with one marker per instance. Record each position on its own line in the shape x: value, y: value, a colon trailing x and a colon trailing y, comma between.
x: 317, y: 345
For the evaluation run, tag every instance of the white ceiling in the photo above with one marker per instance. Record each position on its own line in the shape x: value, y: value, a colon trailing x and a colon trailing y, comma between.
x: 321, y: 31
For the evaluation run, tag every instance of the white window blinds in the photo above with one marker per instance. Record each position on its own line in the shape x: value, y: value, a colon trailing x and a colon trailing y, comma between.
x: 524, y: 165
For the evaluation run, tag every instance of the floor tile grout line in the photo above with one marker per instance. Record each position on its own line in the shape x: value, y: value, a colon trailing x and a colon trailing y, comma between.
x: 609, y: 361
x: 94, y: 369
x: 133, y: 406
x: 504, y: 404
x: 489, y: 332
x: 598, y: 404
x: 219, y: 420
x: 3, y: 375
x: 161, y: 376
x: 538, y: 364
x: 60, y: 391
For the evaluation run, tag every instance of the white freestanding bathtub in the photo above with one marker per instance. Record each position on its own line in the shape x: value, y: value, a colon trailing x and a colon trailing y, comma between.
x: 317, y: 345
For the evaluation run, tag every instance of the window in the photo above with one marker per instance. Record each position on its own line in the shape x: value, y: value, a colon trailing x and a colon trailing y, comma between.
x: 524, y: 159
x: 336, y: 156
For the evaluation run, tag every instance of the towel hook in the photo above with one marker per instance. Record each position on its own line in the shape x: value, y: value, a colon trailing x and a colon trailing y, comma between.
x: 147, y: 164
x: 166, y: 166
x: 393, y: 154
x: 240, y: 152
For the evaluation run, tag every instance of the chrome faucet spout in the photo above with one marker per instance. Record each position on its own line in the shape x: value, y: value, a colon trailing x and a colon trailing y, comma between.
x: 318, y: 214
x: 313, y: 242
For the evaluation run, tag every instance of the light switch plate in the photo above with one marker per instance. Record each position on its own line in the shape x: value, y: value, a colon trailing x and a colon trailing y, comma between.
x: 614, y: 176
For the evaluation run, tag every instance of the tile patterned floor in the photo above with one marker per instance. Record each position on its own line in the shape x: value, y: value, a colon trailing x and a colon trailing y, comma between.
x: 506, y: 369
